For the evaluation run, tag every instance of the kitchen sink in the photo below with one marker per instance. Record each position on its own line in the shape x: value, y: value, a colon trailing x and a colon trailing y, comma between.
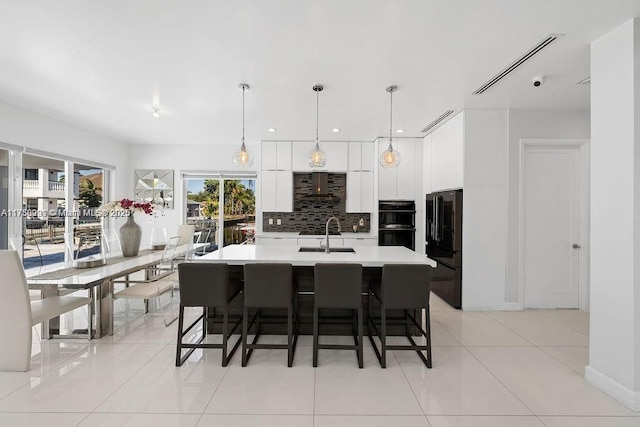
x: 318, y: 249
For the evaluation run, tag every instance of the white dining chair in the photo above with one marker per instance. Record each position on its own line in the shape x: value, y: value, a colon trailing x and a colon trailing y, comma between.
x: 18, y: 314
x: 160, y: 280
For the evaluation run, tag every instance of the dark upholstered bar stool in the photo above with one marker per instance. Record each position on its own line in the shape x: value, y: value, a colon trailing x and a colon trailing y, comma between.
x: 338, y: 286
x: 269, y: 285
x: 206, y: 285
x: 406, y: 287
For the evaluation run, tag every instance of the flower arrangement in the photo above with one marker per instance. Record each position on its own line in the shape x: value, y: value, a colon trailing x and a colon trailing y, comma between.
x: 127, y: 207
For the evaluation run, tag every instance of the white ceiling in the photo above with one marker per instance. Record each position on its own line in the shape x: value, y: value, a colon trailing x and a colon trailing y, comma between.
x: 100, y: 65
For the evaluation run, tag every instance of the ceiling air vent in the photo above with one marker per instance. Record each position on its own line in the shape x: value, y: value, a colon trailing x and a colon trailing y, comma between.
x: 518, y: 62
x: 437, y: 121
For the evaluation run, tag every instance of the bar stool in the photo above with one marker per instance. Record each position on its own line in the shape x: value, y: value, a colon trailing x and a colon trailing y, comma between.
x: 407, y: 287
x: 338, y: 286
x: 269, y: 285
x: 206, y: 285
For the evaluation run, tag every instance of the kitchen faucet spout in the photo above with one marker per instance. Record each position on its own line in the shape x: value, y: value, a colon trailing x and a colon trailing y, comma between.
x: 326, y: 249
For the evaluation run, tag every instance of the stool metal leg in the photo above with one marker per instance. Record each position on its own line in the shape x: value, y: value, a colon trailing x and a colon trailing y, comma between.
x: 180, y: 326
x: 290, y: 336
x: 383, y: 336
x: 225, y: 334
x: 428, y: 336
x: 245, y: 332
x: 315, y: 336
x: 360, y: 332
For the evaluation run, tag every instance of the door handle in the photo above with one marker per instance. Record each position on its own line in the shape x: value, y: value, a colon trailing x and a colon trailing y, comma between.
x: 576, y: 246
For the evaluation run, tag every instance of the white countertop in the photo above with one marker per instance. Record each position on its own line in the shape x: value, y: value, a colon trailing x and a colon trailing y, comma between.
x: 368, y: 256
x: 296, y: 234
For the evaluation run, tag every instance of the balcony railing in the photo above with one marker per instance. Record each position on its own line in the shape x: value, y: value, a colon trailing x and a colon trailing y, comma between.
x: 30, y: 184
x: 56, y: 186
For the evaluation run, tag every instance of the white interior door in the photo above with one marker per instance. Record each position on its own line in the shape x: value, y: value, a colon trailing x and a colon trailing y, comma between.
x: 551, y: 204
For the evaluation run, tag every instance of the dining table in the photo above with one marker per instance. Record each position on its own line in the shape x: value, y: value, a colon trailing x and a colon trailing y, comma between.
x: 58, y: 279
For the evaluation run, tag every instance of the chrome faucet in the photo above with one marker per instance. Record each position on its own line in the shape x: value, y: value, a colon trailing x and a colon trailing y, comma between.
x: 326, y: 249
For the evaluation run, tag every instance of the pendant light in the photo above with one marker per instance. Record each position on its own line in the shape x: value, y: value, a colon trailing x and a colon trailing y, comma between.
x: 390, y: 158
x: 317, y: 158
x: 242, y: 156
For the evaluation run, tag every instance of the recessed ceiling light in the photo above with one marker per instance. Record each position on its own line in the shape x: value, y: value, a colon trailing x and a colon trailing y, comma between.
x: 400, y: 131
x: 272, y: 130
x: 336, y: 130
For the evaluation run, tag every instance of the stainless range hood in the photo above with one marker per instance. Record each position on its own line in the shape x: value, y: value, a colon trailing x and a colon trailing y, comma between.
x: 319, y: 188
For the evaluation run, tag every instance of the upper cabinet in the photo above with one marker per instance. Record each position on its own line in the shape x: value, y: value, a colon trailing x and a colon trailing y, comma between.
x: 276, y: 177
x: 443, y: 156
x: 361, y: 156
x: 400, y: 182
x: 276, y: 155
x: 337, y: 153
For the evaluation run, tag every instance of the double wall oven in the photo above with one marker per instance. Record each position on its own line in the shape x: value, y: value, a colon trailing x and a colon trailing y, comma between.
x: 444, y: 244
x: 397, y: 223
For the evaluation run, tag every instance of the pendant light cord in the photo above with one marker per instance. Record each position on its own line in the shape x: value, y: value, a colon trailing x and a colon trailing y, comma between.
x: 391, y: 121
x: 317, y: 117
x: 243, y: 91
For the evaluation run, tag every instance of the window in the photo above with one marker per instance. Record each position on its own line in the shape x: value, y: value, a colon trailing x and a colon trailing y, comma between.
x: 31, y: 174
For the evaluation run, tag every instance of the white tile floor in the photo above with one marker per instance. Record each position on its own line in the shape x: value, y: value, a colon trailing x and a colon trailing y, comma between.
x: 490, y: 369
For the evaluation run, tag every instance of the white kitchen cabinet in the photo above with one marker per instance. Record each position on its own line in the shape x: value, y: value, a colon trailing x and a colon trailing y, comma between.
x: 269, y: 155
x: 387, y: 183
x: 359, y: 192
x: 427, y: 184
x: 337, y: 153
x: 407, y: 170
x: 276, y: 155
x: 361, y: 156
x: 354, y: 187
x: 277, y: 191
x: 369, y: 159
x: 400, y: 182
x: 446, y: 156
x: 268, y: 190
x: 276, y: 241
x: 355, y: 156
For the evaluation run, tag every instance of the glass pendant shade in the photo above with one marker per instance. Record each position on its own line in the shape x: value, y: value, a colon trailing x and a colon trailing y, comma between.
x: 243, y: 157
x: 317, y: 158
x: 389, y: 158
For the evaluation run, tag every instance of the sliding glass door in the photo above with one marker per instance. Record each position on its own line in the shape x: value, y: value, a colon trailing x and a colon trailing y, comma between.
x: 221, y: 217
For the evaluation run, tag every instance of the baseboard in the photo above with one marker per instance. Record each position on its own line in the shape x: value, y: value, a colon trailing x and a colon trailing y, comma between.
x: 629, y: 398
x: 513, y: 306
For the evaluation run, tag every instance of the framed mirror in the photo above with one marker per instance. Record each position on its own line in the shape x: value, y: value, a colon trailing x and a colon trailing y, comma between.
x: 154, y: 186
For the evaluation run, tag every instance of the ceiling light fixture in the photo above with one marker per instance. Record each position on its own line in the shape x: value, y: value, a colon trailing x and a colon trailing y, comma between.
x: 400, y: 131
x: 243, y: 157
x: 390, y: 158
x: 155, y: 111
x: 272, y: 130
x: 317, y: 158
x: 336, y: 130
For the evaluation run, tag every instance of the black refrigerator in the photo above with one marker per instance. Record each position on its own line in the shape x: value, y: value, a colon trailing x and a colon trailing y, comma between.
x: 444, y: 244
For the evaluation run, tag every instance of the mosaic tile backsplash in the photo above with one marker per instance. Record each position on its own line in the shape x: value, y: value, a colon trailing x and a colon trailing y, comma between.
x: 311, y: 215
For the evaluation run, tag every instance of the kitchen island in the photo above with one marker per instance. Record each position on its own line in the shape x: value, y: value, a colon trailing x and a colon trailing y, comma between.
x: 372, y: 259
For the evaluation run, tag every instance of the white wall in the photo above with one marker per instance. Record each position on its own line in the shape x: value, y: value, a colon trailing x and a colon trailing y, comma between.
x: 184, y: 157
x: 28, y: 129
x: 532, y: 124
x: 484, y: 235
x: 614, y: 354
